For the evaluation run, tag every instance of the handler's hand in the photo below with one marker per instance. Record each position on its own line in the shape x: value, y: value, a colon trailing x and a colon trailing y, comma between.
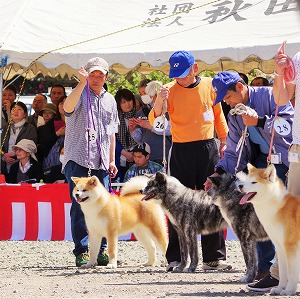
x: 83, y: 74
x: 113, y: 170
x: 250, y: 121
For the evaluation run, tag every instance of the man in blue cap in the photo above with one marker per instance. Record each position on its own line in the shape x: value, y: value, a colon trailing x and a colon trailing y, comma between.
x: 260, y: 108
x: 194, y: 119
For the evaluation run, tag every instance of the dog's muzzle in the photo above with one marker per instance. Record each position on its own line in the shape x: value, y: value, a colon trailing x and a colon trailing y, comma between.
x: 79, y: 199
x: 148, y: 196
x: 247, y: 197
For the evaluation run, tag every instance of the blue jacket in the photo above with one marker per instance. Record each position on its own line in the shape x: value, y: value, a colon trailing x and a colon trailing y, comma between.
x: 262, y: 101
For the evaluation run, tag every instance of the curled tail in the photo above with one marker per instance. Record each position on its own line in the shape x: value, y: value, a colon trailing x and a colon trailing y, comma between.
x: 134, y: 185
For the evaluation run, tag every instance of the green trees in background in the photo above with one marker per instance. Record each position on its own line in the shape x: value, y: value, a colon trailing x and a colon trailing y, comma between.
x: 132, y: 79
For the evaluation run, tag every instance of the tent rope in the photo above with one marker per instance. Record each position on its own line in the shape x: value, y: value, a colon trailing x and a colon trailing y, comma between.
x: 113, y: 33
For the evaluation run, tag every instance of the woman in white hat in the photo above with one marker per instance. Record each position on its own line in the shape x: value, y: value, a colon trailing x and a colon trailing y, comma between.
x: 27, y: 169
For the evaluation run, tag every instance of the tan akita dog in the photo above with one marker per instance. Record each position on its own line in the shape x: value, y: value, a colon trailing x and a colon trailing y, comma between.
x: 108, y: 215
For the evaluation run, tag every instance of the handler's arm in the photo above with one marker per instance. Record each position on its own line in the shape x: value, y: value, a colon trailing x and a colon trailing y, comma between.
x: 282, y: 91
x: 73, y: 98
x: 159, y: 102
x: 113, y: 170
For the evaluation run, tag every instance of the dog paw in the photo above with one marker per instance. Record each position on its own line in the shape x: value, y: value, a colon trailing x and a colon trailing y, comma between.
x: 191, y: 269
x: 287, y: 293
x: 148, y: 264
x: 246, y: 278
x: 276, y: 291
x: 88, y: 265
x: 178, y: 269
x: 112, y: 266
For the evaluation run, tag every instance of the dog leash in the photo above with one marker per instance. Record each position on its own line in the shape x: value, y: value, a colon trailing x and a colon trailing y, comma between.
x: 89, y: 128
x: 272, y: 137
x: 164, y: 161
x: 288, y: 76
x: 241, y: 109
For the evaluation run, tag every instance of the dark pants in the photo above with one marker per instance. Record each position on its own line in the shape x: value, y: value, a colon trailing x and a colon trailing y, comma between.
x: 266, y: 250
x: 191, y: 163
x: 78, y: 227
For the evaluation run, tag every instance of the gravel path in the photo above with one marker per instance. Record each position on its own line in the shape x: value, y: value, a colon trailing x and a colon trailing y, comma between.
x: 46, y: 269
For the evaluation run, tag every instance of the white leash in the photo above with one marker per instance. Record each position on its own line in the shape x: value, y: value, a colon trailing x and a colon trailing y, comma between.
x: 164, y: 161
x: 241, y: 109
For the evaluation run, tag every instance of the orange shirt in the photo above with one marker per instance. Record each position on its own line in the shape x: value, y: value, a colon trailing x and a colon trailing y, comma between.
x: 186, y: 107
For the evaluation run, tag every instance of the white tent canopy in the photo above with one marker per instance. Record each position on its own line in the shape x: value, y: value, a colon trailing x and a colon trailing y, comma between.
x: 142, y: 34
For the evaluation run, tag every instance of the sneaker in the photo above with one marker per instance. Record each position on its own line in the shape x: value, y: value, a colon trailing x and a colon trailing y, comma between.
x: 216, y: 265
x: 260, y: 274
x: 264, y: 285
x: 171, y: 266
x: 82, y: 259
x: 103, y: 258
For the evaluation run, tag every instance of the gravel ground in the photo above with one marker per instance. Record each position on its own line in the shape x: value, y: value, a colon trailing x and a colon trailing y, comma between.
x: 46, y: 269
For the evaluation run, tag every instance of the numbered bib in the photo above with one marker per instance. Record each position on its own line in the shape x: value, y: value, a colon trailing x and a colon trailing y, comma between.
x: 208, y: 115
x: 282, y: 127
x: 160, y: 123
x: 91, y: 136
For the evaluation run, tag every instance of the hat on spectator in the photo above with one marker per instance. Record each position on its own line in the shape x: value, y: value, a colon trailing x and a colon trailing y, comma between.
x: 180, y: 64
x: 97, y: 64
x: 49, y: 107
x: 28, y: 146
x: 221, y: 83
x: 143, y: 148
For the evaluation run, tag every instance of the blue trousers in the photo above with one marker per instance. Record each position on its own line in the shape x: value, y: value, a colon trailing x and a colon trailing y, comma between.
x: 78, y: 227
x: 266, y: 250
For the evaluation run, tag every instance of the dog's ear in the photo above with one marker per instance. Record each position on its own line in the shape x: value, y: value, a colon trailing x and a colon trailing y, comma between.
x: 93, y: 181
x: 75, y: 179
x: 160, y: 177
x: 270, y: 173
x: 216, y: 180
x: 250, y: 167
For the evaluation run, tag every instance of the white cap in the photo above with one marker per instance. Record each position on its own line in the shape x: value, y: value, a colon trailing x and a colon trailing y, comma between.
x: 97, y: 64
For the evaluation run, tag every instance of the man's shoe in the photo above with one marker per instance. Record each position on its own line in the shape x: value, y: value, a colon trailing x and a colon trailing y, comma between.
x: 264, y: 285
x: 103, y: 258
x: 171, y: 266
x: 216, y: 265
x: 82, y: 259
x: 260, y: 274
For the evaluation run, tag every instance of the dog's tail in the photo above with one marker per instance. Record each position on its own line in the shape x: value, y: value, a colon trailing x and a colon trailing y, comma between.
x: 134, y: 185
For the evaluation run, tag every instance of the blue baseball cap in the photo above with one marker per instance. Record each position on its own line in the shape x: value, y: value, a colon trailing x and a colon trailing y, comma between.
x: 180, y: 64
x: 222, y: 81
